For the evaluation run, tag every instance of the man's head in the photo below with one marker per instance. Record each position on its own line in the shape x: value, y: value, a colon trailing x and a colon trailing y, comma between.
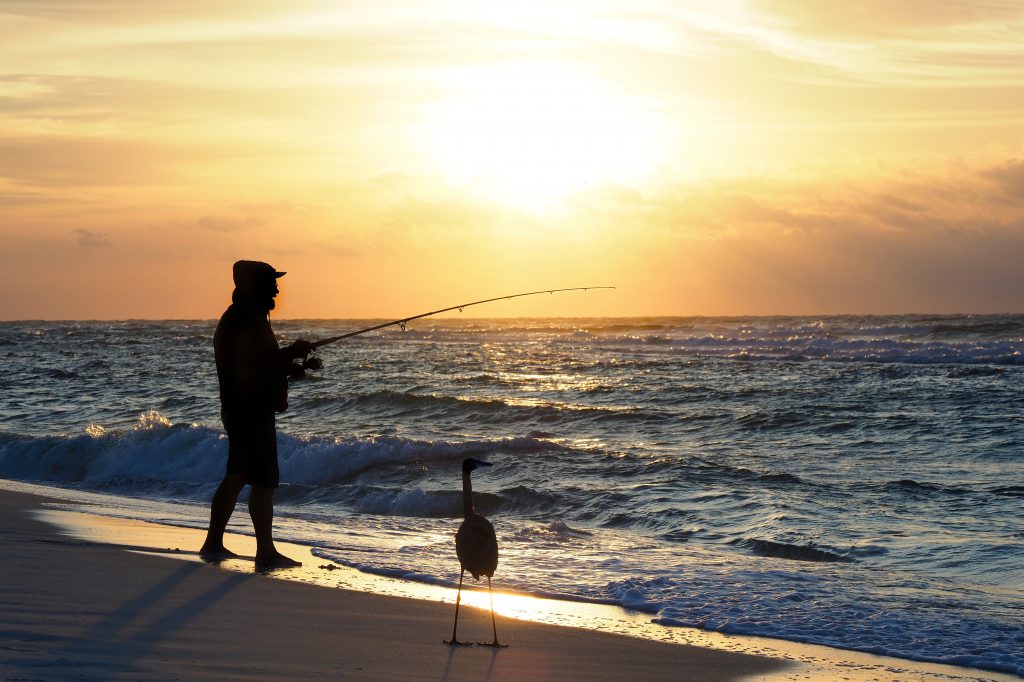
x: 256, y: 281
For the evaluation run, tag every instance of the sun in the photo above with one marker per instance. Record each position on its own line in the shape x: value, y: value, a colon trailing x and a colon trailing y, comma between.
x: 531, y: 134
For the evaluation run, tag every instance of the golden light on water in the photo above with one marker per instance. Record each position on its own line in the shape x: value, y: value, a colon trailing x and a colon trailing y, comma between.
x: 519, y: 606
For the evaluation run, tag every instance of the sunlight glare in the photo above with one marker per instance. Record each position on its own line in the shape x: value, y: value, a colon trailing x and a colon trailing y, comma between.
x: 532, y: 133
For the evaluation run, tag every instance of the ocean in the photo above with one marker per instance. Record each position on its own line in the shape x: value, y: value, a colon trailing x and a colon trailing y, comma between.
x: 849, y: 481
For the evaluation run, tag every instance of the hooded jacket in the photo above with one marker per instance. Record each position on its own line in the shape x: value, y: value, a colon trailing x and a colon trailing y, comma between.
x: 251, y: 368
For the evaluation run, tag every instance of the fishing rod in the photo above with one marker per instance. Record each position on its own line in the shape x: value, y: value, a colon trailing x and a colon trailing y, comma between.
x: 405, y: 320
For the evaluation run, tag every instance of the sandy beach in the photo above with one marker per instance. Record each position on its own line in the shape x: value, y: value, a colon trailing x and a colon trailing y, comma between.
x: 90, y: 597
x: 79, y: 610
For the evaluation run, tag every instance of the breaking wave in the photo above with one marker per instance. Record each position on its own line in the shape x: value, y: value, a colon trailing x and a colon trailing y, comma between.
x: 186, y: 460
x: 829, y: 348
x: 782, y: 550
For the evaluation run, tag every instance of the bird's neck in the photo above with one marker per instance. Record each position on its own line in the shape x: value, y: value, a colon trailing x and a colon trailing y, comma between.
x: 467, y: 495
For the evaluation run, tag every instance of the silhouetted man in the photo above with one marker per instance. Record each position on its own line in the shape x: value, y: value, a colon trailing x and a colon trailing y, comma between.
x: 253, y: 375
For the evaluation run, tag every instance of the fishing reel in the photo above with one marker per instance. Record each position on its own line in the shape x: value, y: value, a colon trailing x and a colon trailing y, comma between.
x: 297, y: 369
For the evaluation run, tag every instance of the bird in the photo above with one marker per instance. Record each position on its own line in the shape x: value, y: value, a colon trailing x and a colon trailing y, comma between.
x: 477, y: 548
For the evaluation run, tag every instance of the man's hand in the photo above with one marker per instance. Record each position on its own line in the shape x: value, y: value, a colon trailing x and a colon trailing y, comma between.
x: 299, y: 349
x: 295, y: 371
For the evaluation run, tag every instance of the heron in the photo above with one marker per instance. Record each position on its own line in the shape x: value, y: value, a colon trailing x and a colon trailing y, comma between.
x: 477, y: 548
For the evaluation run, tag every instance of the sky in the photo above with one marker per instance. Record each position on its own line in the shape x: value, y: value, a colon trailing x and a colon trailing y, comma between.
x: 749, y: 157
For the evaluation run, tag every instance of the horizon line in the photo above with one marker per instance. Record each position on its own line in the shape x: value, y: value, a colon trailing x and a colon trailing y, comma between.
x: 522, y: 317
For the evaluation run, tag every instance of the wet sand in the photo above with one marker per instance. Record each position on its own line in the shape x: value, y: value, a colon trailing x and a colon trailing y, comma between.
x: 74, y: 609
x: 89, y: 597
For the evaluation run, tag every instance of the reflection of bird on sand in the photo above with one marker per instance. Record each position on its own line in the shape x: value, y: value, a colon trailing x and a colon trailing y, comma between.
x: 476, y: 546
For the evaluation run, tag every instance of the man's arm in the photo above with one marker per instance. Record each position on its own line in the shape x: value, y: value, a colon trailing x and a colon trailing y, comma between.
x: 294, y: 351
x: 291, y: 357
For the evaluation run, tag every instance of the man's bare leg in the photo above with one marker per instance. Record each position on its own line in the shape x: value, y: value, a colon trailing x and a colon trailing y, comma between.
x: 221, y: 508
x: 261, y: 509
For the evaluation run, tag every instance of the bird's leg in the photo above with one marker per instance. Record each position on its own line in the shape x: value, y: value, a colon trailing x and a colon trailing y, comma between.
x: 458, y: 599
x: 494, y: 627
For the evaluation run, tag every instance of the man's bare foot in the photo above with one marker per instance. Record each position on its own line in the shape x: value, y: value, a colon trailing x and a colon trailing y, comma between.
x: 216, y: 553
x: 276, y: 560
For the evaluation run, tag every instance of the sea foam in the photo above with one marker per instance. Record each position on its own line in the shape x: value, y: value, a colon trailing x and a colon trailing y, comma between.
x: 155, y: 455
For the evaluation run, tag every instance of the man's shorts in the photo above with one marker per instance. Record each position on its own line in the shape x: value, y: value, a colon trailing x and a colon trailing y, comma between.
x: 252, y: 450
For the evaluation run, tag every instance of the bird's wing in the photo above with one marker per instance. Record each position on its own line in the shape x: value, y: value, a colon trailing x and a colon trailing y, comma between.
x: 477, y: 546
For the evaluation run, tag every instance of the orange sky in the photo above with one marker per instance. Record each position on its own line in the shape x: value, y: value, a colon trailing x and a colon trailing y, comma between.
x: 759, y: 157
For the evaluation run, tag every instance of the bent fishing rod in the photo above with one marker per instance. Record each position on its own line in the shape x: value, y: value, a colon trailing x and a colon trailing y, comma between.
x: 405, y: 320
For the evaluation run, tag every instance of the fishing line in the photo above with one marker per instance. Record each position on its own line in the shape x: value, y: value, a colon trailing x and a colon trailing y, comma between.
x: 403, y: 321
x: 315, y: 362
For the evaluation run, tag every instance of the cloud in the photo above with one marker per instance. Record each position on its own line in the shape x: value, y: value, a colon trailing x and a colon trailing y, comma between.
x: 73, y: 161
x: 128, y: 11
x: 913, y: 44
x: 905, y: 239
x: 1009, y: 176
x: 910, y: 239
x: 411, y: 214
x: 223, y: 223
x: 883, y: 17
x: 258, y: 125
x: 89, y: 239
x: 24, y: 198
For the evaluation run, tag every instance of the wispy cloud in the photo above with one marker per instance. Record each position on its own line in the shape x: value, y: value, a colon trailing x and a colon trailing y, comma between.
x: 819, y: 156
x: 90, y: 239
x: 68, y: 161
x: 875, y: 18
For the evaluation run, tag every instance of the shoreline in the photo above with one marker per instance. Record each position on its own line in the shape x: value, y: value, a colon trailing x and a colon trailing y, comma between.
x: 76, y: 609
x: 352, y: 601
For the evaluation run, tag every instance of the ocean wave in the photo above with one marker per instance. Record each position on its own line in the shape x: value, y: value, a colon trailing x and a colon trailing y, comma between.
x: 1008, y: 490
x: 556, y: 532
x: 151, y: 451
x: 803, y: 347
x: 726, y: 471
x: 903, y: 339
x: 658, y: 520
x: 482, y: 408
x: 610, y: 328
x: 410, y: 502
x: 418, y: 502
x: 979, y: 328
x: 769, y: 420
x: 940, y: 628
x: 973, y: 371
x: 404, y: 399
x: 681, y: 534
x: 57, y: 373
x: 782, y: 550
x: 638, y: 594
x: 524, y: 500
x: 158, y: 456
x: 910, y: 486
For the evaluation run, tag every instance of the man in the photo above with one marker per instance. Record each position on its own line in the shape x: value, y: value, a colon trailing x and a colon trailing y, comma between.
x: 253, y: 374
